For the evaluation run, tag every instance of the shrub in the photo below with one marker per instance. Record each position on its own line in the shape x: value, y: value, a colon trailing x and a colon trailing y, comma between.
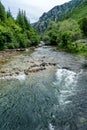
x: 83, y: 25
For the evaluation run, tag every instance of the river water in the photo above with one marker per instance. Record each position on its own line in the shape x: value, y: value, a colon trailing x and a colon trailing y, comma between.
x: 53, y: 99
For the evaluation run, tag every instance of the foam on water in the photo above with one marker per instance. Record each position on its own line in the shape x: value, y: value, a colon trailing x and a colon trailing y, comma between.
x: 51, y: 127
x: 19, y: 77
x: 65, y: 82
x: 66, y: 76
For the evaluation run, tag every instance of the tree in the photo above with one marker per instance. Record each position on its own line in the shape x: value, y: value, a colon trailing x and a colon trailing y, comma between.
x: 9, y: 15
x: 62, y: 33
x: 83, y: 25
x: 20, y: 19
x: 26, y: 21
x: 2, y: 13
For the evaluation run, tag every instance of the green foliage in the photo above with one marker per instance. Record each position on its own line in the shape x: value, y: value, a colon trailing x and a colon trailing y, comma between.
x: 22, y: 20
x: 23, y: 40
x: 2, y: 13
x: 6, y: 36
x: 66, y: 38
x: 66, y: 33
x: 33, y: 36
x: 62, y: 33
x: 9, y: 15
x: 51, y: 35
x: 79, y: 12
x: 16, y: 34
x: 83, y: 25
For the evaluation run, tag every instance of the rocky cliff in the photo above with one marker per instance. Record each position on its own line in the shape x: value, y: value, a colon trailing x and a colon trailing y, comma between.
x: 55, y: 14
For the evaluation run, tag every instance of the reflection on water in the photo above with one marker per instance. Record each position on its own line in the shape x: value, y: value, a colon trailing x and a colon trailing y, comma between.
x: 52, y: 100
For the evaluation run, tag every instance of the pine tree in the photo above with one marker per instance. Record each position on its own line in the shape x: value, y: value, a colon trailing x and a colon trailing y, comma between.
x: 2, y: 13
x: 20, y: 19
x: 27, y: 23
x: 9, y: 15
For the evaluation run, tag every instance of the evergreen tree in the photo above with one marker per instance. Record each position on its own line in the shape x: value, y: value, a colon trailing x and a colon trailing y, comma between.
x: 20, y: 19
x: 9, y: 15
x: 27, y: 23
x: 2, y: 13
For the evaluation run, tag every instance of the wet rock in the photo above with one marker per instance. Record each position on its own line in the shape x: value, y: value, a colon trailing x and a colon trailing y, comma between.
x: 2, y: 71
x: 17, y: 72
x: 10, y: 74
x: 33, y: 70
x: 43, y: 57
x: 67, y: 68
x: 34, y: 65
x: 82, y: 120
x: 36, y: 69
x: 26, y: 72
x: 43, y: 64
x: 52, y: 64
x: 84, y: 66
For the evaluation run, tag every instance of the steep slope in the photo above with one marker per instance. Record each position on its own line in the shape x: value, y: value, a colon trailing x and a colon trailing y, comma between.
x: 56, y: 14
x: 79, y: 12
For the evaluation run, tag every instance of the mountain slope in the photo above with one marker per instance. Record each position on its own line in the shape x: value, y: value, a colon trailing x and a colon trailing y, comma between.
x: 56, y: 14
x: 79, y: 12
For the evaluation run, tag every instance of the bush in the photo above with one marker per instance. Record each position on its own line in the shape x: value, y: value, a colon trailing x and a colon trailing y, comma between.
x: 62, y: 33
x: 6, y: 36
x: 83, y: 25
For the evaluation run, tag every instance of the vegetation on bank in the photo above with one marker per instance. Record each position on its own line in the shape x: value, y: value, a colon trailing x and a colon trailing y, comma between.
x: 70, y: 34
x: 16, y: 33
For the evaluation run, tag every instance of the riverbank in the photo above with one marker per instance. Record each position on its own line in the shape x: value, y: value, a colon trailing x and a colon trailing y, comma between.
x: 19, y: 63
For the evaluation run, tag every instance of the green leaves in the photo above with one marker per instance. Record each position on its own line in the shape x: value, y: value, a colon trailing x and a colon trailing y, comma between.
x: 2, y: 13
x: 83, y: 25
x: 62, y: 33
x: 22, y: 20
x: 16, y: 33
x: 6, y: 36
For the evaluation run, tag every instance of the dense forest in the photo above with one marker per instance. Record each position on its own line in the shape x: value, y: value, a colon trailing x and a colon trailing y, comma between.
x: 16, y: 33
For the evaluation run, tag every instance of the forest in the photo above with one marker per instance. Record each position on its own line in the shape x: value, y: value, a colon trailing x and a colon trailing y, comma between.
x: 16, y: 33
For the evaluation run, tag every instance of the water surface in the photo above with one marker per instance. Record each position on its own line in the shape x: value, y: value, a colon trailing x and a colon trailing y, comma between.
x: 54, y: 99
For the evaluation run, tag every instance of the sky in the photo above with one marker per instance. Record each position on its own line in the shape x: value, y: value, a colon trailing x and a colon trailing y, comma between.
x: 34, y: 8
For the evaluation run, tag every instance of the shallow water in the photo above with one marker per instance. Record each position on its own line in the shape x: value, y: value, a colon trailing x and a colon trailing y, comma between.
x: 54, y: 99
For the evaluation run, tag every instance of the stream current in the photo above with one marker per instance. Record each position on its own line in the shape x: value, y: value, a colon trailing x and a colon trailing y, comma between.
x: 53, y: 99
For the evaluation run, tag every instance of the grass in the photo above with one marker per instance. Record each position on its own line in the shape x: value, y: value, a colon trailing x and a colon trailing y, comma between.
x: 79, y: 12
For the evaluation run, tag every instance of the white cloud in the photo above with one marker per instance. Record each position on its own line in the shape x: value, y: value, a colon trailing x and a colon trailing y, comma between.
x: 34, y: 8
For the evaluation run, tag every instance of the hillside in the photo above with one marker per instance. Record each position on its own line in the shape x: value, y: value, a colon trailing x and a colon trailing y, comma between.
x: 79, y: 12
x: 55, y: 14
x: 70, y: 33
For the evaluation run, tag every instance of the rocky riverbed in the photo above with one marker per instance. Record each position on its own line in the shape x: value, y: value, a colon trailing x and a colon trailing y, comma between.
x: 16, y: 63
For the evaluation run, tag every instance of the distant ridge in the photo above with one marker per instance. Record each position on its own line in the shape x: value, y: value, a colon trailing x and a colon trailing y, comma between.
x: 55, y: 14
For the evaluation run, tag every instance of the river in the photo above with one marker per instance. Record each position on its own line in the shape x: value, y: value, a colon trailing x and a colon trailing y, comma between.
x: 52, y: 99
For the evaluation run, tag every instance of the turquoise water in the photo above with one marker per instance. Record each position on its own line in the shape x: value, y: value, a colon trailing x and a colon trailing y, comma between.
x: 54, y: 99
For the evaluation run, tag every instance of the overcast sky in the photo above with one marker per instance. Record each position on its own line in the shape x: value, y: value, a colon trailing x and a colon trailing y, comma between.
x: 34, y: 8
